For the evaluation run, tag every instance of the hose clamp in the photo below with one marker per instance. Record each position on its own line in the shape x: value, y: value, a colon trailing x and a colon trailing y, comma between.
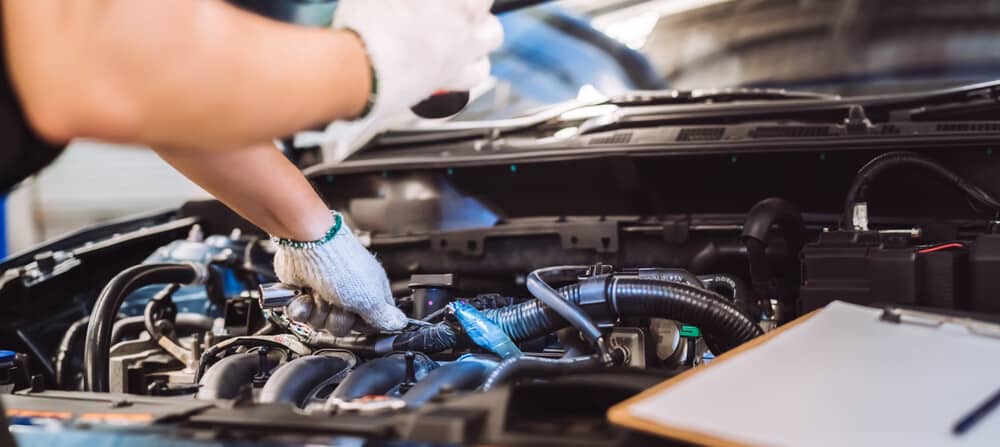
x: 614, y: 295
x: 593, y: 298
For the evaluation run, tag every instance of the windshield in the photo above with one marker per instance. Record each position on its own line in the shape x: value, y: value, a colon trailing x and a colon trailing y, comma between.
x: 584, y: 49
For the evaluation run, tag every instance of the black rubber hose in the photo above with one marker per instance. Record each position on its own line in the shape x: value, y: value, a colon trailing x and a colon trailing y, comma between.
x: 724, y: 324
x: 772, y: 212
x: 73, y: 334
x: 527, y: 320
x: 458, y: 376
x: 734, y: 287
x: 523, y: 366
x: 761, y: 219
x: 131, y: 326
x: 565, y: 308
x: 858, y: 191
x: 718, y: 318
x: 373, y: 378
x: 671, y: 275
x: 98, y: 341
x: 227, y: 378
x: 294, y: 382
x: 726, y: 285
x: 121, y: 328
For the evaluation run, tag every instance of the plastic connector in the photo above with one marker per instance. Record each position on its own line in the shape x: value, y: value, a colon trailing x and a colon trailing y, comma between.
x: 483, y: 332
x: 859, y: 217
x: 594, y: 299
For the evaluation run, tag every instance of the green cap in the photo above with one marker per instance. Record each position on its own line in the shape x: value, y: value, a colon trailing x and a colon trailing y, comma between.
x: 690, y: 332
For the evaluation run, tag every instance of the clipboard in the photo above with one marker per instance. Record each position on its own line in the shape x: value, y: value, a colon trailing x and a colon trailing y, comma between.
x: 624, y: 414
x: 621, y: 414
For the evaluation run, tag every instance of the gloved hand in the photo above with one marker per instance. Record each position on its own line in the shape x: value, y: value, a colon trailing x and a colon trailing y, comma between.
x: 346, y: 282
x: 416, y: 48
x: 419, y: 47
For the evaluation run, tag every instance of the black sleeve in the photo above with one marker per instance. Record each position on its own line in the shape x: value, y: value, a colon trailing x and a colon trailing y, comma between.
x: 22, y: 152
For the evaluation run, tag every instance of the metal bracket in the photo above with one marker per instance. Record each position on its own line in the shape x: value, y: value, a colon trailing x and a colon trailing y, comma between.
x: 634, y: 341
x: 677, y: 231
x: 600, y: 236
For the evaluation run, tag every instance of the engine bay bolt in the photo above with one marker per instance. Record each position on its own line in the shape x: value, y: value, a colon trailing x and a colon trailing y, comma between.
x: 121, y: 404
x: 261, y: 376
x: 411, y: 372
x: 37, y: 383
x: 199, y: 341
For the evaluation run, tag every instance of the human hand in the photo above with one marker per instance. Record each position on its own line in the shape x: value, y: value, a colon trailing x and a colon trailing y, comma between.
x: 418, y: 48
x: 346, y: 283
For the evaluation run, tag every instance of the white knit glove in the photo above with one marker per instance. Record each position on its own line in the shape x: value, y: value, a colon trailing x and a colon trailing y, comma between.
x: 346, y: 281
x: 419, y: 47
x: 416, y: 48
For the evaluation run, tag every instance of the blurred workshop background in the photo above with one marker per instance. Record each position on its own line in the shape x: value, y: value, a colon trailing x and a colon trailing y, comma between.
x: 587, y: 49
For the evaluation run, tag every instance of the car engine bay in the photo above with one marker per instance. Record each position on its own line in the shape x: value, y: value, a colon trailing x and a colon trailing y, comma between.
x: 539, y: 294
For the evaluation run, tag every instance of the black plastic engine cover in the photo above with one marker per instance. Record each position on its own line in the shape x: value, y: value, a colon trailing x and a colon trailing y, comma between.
x: 866, y: 268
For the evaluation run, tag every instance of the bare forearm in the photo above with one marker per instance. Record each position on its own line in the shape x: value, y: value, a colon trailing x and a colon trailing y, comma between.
x: 260, y: 184
x: 191, y: 74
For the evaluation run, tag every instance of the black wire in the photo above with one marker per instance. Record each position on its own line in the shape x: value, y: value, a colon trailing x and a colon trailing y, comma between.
x: 567, y: 310
x: 434, y: 315
x: 858, y: 190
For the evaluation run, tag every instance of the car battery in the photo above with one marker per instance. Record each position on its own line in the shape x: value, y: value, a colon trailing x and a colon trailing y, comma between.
x: 868, y: 268
x: 985, y: 260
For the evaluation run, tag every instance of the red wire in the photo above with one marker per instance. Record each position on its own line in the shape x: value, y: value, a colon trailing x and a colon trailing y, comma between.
x: 941, y: 247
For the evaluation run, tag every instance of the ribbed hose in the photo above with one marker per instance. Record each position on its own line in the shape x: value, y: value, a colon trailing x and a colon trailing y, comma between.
x: 528, y: 320
x: 723, y: 324
x: 734, y: 287
x: 718, y: 318
x: 98, y: 341
x: 862, y: 180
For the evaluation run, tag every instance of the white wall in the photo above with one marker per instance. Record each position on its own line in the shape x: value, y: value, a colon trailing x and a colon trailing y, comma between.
x: 91, y: 183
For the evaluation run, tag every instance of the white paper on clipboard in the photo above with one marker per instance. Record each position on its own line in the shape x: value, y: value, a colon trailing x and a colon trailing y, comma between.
x: 842, y: 378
